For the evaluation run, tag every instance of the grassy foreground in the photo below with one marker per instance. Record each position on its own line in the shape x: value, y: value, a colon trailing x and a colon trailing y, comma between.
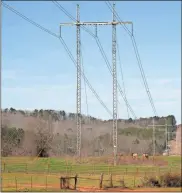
x: 43, y: 174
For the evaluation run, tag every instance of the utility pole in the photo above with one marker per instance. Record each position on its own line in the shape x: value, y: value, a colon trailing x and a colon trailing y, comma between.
x: 114, y: 72
x: 168, y: 139
x: 166, y: 130
x: 153, y: 137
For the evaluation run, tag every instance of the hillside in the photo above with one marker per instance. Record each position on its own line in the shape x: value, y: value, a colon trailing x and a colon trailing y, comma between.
x: 53, y: 133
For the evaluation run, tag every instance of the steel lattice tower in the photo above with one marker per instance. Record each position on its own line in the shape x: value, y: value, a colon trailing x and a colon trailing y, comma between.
x: 78, y: 93
x: 114, y: 86
x: 114, y: 73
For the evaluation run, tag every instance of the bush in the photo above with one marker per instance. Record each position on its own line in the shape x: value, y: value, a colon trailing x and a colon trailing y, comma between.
x: 171, y: 180
x: 151, y: 182
x: 166, y: 180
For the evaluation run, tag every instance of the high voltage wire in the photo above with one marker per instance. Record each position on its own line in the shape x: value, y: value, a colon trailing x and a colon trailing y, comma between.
x: 122, y: 75
x: 117, y: 16
x: 137, y: 57
x: 86, y: 80
x: 65, y: 47
x: 85, y: 88
x: 71, y: 17
x: 141, y: 69
x: 99, y: 45
x: 101, y: 50
x: 110, y: 69
x: 29, y: 20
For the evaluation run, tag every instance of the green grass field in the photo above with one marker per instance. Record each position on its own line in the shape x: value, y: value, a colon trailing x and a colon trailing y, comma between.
x: 42, y: 174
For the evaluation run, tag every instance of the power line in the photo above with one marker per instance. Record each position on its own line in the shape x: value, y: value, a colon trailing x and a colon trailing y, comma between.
x: 137, y: 57
x: 117, y: 16
x: 143, y: 76
x: 101, y: 50
x: 141, y: 69
x: 110, y: 69
x: 65, y: 47
x: 86, y: 80
x: 85, y: 86
x: 80, y: 71
x: 71, y: 17
x: 29, y: 20
x: 122, y: 76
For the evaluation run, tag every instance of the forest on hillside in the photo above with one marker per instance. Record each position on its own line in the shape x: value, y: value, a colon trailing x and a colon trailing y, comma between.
x: 53, y: 133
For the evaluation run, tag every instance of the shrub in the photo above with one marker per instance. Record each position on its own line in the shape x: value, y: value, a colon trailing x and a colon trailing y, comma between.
x: 171, y: 180
x: 165, y: 180
x: 151, y: 182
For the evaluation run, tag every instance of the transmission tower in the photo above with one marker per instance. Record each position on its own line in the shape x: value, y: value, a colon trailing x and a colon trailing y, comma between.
x: 114, y: 86
x: 114, y: 72
x: 166, y: 126
x: 78, y: 94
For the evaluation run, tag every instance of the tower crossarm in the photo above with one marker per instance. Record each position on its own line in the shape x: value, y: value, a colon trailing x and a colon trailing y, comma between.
x: 96, y: 23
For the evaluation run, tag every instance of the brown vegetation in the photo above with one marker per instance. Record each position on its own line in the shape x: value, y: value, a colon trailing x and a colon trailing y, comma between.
x: 53, y: 133
x: 165, y: 180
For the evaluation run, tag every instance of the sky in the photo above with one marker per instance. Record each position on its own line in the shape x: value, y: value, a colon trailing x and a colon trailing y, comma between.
x: 37, y: 73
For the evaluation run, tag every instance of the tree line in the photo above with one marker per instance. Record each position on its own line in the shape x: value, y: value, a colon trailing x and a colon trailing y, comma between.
x: 63, y: 115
